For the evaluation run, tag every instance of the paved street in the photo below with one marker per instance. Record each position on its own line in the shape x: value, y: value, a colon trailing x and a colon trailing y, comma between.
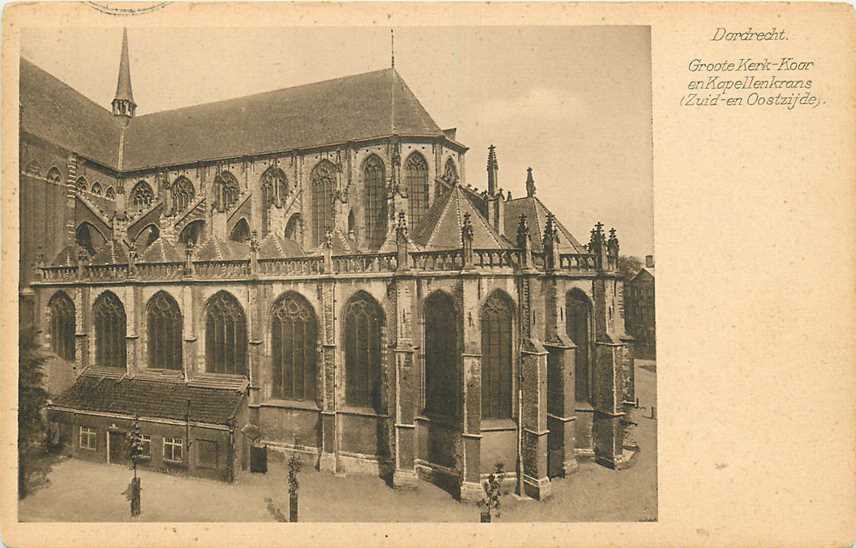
x: 81, y: 491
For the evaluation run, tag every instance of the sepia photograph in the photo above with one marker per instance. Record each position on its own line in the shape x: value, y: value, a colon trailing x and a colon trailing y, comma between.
x: 337, y: 274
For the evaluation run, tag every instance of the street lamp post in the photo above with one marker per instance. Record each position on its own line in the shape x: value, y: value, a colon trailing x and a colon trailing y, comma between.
x: 135, y: 451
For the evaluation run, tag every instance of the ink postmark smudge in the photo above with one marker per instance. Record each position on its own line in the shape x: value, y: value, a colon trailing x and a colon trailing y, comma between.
x: 119, y: 8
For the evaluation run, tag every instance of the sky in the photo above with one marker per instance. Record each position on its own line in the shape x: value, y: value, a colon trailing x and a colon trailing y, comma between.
x: 573, y: 103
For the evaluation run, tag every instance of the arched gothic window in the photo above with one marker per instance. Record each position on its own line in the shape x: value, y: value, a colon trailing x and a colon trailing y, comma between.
x: 54, y: 176
x: 142, y: 196
x: 441, y: 356
x: 274, y: 187
x: 34, y: 168
x: 323, y: 181
x: 241, y: 231
x: 293, y: 337
x: 496, y: 340
x: 225, y: 335
x: 110, y: 193
x: 226, y: 191
x: 62, y: 326
x: 416, y: 175
x: 83, y: 236
x: 578, y: 326
x: 164, y: 331
x: 192, y: 233
x: 363, y: 329
x: 293, y: 228
x: 182, y: 194
x: 96, y: 188
x: 81, y: 184
x: 450, y: 173
x: 374, y: 177
x: 110, y: 325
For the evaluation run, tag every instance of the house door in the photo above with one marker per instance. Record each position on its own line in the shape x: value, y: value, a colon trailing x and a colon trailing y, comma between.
x: 258, y: 459
x: 117, y: 447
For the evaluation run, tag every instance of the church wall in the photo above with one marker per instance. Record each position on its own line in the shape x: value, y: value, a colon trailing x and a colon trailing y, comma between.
x: 298, y: 168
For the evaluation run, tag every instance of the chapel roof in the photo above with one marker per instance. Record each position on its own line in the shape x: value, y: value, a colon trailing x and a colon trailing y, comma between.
x: 441, y: 226
x: 273, y: 246
x: 536, y: 216
x: 111, y: 252
x: 161, y: 251
x: 216, y: 249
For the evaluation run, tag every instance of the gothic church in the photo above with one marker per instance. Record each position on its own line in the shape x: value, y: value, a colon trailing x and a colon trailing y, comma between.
x: 261, y: 274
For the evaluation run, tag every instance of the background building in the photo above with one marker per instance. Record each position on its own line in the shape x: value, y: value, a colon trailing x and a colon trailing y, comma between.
x: 641, y: 317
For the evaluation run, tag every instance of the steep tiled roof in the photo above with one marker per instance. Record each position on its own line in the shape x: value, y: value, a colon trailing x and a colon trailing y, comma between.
x: 148, y: 398
x: 536, y: 217
x: 112, y: 252
x: 322, y: 113
x: 441, y: 226
x: 52, y: 110
x: 273, y: 247
x: 333, y: 111
x: 215, y: 249
x: 161, y: 251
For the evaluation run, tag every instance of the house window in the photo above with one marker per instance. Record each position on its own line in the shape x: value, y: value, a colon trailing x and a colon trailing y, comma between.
x: 164, y: 332
x: 62, y: 326
x: 109, y: 330
x: 226, y: 191
x: 496, y: 339
x: 173, y: 449
x: 88, y: 438
x: 323, y: 180
x: 441, y: 356
x: 363, y: 323
x: 145, y: 447
x: 182, y: 194
x: 293, y: 337
x: 416, y: 174
x: 206, y: 453
x: 374, y: 178
x: 142, y: 196
x: 225, y: 336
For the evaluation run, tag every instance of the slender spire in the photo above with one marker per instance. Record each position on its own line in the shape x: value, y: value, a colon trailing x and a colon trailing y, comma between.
x: 492, y: 171
x: 392, y: 39
x: 123, y: 103
x: 530, y: 183
x: 393, y: 84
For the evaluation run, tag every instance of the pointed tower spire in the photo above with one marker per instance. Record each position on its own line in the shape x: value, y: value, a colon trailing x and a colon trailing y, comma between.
x: 123, y: 103
x: 492, y: 171
x: 530, y: 183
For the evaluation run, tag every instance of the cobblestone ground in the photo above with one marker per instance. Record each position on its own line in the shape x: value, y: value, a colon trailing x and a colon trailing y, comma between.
x: 82, y: 491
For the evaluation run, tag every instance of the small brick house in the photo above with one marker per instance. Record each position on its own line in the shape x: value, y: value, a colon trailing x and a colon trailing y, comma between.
x: 186, y: 427
x: 641, y: 316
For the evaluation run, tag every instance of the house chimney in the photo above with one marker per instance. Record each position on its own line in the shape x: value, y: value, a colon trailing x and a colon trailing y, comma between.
x: 649, y: 261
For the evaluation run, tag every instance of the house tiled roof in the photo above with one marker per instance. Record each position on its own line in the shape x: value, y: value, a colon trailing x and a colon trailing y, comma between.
x: 441, y: 226
x: 150, y: 398
x: 333, y: 111
x: 161, y: 251
x: 536, y: 217
x: 52, y: 110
